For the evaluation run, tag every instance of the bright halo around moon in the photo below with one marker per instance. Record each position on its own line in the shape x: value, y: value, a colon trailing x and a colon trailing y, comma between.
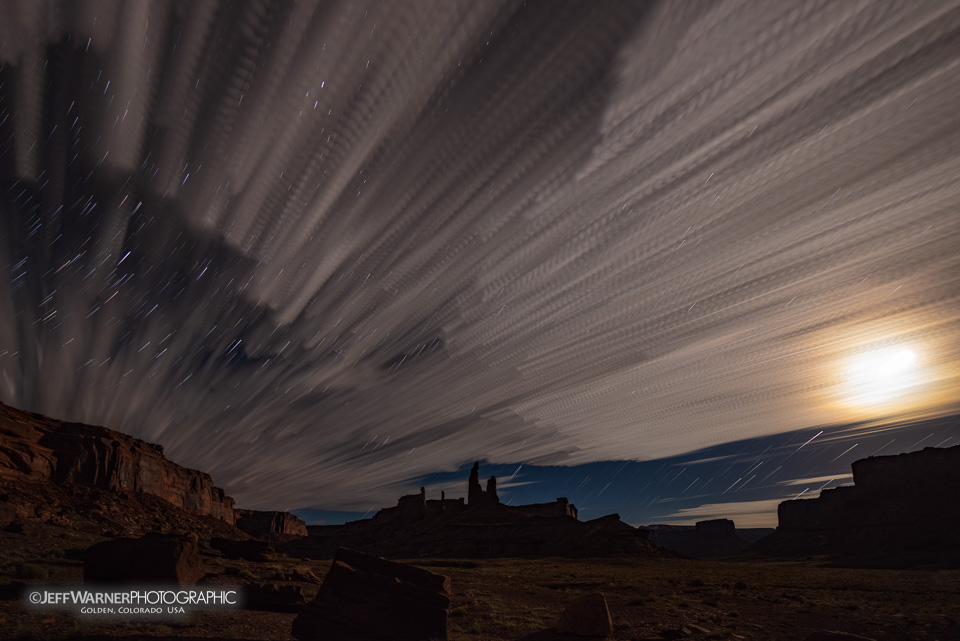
x: 883, y: 376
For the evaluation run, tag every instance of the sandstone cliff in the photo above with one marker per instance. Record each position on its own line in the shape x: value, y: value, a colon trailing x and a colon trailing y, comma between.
x: 901, y: 508
x: 258, y: 523
x: 35, y: 447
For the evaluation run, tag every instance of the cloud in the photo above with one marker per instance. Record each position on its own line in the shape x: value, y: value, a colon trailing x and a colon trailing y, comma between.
x: 518, y: 233
x: 817, y: 480
x: 712, y: 459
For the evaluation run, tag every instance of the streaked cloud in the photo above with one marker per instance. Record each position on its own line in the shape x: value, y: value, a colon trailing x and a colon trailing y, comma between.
x: 817, y: 480
x: 537, y: 233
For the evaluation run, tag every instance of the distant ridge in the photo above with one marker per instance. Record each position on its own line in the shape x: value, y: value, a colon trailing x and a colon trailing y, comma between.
x: 707, y: 539
x: 479, y: 527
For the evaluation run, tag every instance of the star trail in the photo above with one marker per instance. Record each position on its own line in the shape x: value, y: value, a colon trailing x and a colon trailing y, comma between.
x: 324, y: 250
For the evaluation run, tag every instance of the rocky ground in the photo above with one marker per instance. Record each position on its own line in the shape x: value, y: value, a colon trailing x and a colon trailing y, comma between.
x: 510, y: 599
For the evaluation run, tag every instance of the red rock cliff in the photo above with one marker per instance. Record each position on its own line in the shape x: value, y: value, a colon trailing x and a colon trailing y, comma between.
x: 901, y: 509
x: 35, y: 446
x: 258, y: 523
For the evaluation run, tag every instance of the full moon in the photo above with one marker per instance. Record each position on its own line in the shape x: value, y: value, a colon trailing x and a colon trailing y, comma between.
x: 883, y: 375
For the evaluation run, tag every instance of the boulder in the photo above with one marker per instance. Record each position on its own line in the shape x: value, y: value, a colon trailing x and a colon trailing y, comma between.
x: 274, y: 597
x: 365, y: 597
x: 587, y: 616
x: 14, y: 527
x: 157, y: 557
x: 256, y: 551
x: 827, y: 635
x: 305, y: 576
x: 8, y: 512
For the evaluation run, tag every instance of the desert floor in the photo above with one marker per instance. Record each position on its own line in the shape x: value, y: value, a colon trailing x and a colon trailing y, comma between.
x: 514, y: 599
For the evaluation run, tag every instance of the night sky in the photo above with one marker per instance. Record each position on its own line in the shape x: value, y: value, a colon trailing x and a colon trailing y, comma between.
x: 671, y: 260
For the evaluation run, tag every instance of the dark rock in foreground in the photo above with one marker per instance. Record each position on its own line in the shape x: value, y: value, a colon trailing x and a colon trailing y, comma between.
x: 365, y: 597
x: 163, y: 558
x: 274, y: 597
x: 587, y: 616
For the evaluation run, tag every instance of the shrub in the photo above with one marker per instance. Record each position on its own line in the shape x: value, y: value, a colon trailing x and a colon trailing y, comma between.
x: 30, y: 571
x: 458, y: 611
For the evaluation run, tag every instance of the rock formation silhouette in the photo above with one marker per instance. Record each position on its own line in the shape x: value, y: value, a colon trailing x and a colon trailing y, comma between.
x: 480, y: 527
x: 901, y: 510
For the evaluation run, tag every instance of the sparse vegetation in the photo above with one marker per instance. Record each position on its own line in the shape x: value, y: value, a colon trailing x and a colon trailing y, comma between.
x: 30, y: 571
x: 502, y: 599
x: 155, y: 629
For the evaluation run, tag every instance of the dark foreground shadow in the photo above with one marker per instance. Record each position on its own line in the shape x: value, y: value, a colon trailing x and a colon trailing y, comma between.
x: 152, y: 637
x: 546, y: 635
x: 553, y: 635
